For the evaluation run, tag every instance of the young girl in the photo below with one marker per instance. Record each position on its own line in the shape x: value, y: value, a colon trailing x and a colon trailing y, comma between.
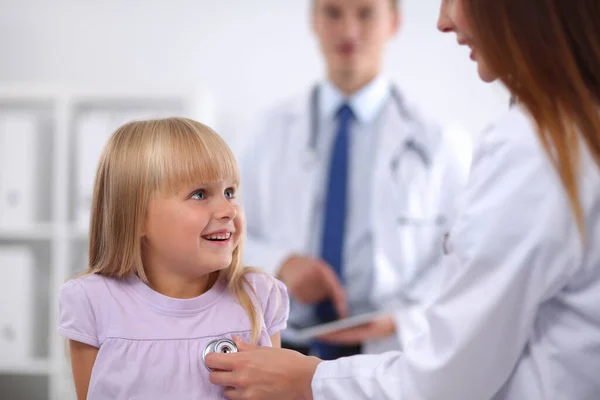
x: 165, y: 276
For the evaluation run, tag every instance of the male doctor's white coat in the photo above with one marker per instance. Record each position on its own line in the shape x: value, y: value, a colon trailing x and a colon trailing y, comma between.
x: 417, y: 175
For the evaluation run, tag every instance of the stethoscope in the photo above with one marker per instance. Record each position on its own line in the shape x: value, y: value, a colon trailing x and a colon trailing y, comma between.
x: 224, y: 346
x: 410, y: 145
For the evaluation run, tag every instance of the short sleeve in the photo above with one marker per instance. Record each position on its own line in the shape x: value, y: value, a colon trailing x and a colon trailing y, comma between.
x: 277, y: 308
x: 274, y: 300
x: 76, y: 316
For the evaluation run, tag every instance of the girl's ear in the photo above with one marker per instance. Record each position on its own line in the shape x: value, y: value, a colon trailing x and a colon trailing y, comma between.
x: 143, y: 230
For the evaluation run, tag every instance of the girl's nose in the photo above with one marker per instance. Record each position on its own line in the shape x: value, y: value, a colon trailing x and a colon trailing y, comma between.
x: 225, y: 210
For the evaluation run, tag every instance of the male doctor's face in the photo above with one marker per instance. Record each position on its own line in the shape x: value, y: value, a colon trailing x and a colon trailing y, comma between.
x: 353, y: 34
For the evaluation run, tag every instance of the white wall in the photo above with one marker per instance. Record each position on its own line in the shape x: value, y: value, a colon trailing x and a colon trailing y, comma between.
x: 248, y: 52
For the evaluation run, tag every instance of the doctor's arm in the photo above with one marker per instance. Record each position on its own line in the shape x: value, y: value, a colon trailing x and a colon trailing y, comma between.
x: 503, y: 263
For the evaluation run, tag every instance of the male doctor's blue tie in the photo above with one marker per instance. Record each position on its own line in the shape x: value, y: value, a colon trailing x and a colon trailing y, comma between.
x: 334, y: 222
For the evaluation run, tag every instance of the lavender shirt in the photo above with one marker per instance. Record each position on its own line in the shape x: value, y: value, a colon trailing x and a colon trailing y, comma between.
x: 150, y: 345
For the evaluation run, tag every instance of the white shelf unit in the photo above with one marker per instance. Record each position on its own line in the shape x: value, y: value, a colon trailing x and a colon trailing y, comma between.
x: 55, y: 230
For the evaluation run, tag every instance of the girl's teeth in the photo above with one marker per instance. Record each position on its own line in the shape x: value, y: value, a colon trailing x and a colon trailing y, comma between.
x: 220, y: 236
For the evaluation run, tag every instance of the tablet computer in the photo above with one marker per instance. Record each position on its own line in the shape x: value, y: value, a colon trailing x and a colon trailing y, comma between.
x: 340, y: 324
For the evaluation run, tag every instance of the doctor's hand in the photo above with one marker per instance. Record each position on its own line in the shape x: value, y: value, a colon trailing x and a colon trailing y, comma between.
x: 376, y: 329
x: 310, y: 280
x: 264, y: 373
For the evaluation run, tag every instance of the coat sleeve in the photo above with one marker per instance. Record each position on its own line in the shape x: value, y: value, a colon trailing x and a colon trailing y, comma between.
x: 255, y: 169
x: 514, y: 245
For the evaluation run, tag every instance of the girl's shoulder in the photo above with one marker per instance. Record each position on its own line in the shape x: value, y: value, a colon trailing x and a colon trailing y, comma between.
x: 93, y: 286
x: 85, y: 305
x: 93, y: 294
x: 272, y: 295
x: 264, y: 284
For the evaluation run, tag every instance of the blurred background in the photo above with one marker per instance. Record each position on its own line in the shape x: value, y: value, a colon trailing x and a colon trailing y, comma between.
x: 72, y: 71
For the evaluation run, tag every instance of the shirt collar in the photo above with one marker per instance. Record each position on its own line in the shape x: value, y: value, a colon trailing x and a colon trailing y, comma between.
x: 365, y: 103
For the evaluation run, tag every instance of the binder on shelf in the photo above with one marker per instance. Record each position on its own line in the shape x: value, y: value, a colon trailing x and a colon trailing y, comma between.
x: 92, y: 132
x: 19, y: 159
x: 17, y: 266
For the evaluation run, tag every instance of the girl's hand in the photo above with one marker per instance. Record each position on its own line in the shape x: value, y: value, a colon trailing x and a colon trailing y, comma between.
x: 267, y: 373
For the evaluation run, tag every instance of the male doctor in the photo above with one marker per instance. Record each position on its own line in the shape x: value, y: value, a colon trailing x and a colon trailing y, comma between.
x: 348, y: 191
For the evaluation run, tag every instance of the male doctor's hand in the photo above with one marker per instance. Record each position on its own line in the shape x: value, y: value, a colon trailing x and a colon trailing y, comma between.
x: 310, y: 280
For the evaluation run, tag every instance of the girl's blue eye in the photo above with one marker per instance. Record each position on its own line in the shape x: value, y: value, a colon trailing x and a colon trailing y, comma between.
x: 366, y: 13
x: 199, y: 195
x: 229, y: 193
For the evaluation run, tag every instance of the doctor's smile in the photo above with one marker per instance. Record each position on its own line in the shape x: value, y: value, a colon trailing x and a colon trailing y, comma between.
x: 464, y: 42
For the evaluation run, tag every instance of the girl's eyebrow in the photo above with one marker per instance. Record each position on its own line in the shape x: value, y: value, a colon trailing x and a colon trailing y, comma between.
x: 206, y: 185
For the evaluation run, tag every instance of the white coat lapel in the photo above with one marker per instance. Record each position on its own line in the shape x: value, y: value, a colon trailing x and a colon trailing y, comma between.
x: 389, y: 203
x: 300, y: 162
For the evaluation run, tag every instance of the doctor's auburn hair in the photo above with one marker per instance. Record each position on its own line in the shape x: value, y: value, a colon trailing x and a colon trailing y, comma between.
x: 395, y: 3
x: 157, y: 156
x: 547, y: 52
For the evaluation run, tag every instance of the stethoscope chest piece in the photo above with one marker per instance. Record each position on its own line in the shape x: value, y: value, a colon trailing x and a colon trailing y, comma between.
x: 218, y: 346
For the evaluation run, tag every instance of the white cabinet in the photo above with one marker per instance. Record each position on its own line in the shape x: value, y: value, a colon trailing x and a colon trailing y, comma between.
x: 19, y: 168
x: 50, y: 142
x: 16, y: 303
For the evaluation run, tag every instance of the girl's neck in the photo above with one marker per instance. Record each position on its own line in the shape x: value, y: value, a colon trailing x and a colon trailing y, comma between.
x: 178, y: 287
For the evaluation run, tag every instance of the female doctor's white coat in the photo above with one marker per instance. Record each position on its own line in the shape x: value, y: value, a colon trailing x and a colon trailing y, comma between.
x: 519, y: 314
x: 417, y: 176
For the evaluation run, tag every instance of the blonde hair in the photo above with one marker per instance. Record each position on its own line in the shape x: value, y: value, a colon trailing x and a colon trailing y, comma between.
x: 157, y: 156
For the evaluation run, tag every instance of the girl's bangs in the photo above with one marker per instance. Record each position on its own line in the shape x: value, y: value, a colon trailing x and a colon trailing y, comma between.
x: 192, y: 154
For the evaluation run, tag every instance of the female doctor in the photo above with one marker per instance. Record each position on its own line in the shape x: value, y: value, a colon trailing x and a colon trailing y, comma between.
x: 519, y: 316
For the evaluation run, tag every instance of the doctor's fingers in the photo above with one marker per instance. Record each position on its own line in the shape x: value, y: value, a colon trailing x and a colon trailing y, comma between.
x: 227, y: 379
x: 226, y: 365
x: 223, y: 361
x: 232, y: 393
x: 335, y: 291
x: 245, y: 381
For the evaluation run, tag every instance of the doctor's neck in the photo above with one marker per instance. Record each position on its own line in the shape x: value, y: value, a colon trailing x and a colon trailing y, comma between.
x: 350, y: 82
